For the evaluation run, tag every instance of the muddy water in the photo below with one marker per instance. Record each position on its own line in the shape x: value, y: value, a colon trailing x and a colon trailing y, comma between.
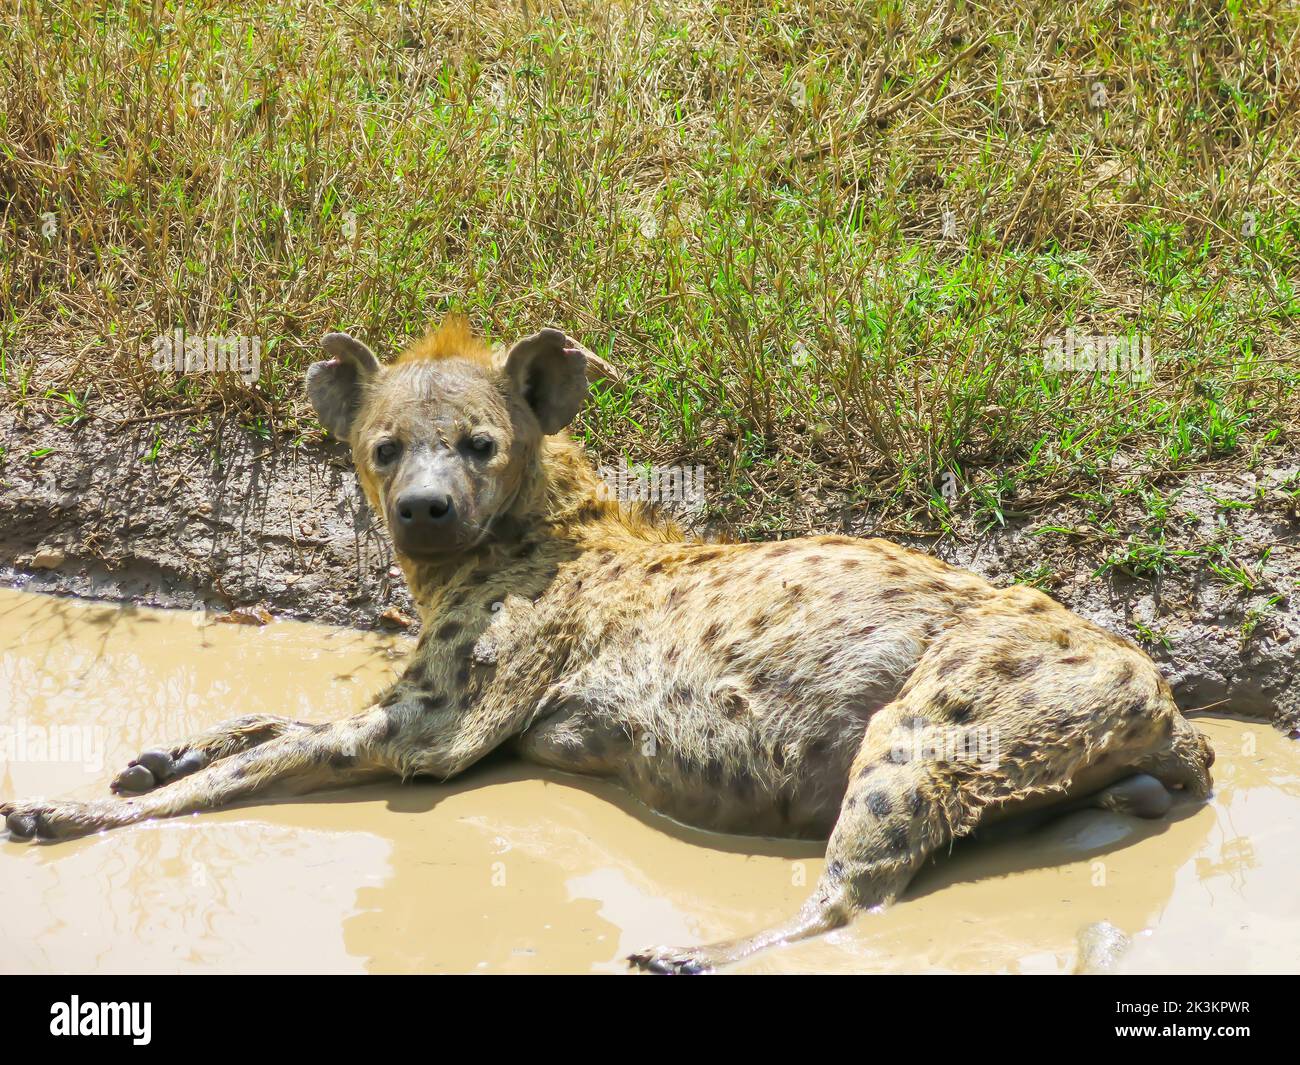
x: 517, y: 870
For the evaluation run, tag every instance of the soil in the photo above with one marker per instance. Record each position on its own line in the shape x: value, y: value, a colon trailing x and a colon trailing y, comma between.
x: 158, y: 513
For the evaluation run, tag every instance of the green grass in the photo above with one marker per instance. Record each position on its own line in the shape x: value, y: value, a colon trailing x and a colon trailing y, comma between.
x: 741, y: 205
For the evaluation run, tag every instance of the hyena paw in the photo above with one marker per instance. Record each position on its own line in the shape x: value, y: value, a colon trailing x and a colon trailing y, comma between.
x: 47, y: 819
x: 671, y: 961
x: 157, y: 767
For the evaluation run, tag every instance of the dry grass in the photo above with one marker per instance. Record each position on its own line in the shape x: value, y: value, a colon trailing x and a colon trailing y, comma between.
x: 741, y: 205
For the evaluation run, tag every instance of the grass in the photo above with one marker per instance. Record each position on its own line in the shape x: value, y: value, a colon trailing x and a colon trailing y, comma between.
x: 826, y: 243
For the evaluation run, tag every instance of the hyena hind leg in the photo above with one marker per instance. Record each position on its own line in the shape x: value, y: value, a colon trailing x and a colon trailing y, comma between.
x: 1138, y: 795
x: 162, y: 765
x: 900, y: 806
x: 1180, y: 763
x: 890, y: 822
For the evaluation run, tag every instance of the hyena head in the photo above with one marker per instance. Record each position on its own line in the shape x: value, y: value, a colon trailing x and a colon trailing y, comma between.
x: 446, y: 438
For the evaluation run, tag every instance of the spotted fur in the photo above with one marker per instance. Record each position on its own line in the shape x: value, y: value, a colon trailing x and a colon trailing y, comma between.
x: 811, y: 687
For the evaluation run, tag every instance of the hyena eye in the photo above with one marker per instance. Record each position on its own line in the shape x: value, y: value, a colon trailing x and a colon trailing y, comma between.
x: 481, y: 445
x: 386, y: 452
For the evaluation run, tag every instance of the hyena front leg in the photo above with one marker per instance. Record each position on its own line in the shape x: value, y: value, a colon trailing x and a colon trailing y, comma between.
x: 162, y: 765
x: 301, y: 760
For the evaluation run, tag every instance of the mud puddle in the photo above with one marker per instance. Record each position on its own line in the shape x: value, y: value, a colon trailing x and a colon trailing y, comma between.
x: 517, y: 870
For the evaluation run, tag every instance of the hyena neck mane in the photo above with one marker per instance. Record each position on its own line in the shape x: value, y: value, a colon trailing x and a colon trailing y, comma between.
x: 563, y: 511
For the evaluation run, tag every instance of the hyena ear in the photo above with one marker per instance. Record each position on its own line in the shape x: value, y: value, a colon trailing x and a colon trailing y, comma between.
x: 334, y: 385
x: 550, y: 371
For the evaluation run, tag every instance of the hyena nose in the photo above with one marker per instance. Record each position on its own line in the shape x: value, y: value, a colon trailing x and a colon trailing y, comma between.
x: 418, y: 511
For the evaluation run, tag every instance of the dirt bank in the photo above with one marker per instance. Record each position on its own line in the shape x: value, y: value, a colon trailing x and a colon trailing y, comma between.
x: 160, y: 514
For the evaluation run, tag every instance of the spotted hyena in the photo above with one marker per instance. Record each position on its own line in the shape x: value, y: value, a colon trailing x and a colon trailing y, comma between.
x: 826, y: 687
